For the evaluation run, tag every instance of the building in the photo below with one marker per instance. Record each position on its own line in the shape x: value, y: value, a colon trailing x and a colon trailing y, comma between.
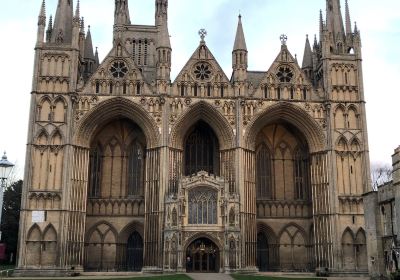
x: 382, y: 212
x: 128, y: 170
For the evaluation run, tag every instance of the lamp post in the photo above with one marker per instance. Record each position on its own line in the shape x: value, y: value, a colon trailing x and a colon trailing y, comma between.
x: 5, y: 171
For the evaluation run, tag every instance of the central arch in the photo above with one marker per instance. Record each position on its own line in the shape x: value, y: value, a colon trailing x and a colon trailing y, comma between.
x: 202, y: 111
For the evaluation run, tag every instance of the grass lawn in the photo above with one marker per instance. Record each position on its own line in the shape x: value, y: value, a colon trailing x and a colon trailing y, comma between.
x: 161, y: 277
x: 257, y: 277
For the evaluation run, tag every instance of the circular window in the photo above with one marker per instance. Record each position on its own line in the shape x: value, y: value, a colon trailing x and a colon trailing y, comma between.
x: 202, y: 71
x: 119, y: 69
x: 285, y: 74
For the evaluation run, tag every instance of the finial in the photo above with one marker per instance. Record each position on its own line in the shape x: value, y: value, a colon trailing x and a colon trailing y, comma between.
x: 4, y: 157
x: 355, y: 27
x: 203, y: 34
x: 284, y: 39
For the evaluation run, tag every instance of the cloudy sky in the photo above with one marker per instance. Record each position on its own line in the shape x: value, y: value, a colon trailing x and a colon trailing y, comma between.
x: 264, y: 21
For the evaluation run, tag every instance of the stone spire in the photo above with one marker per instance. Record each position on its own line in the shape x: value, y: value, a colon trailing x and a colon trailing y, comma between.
x: 62, y: 31
x: 41, y: 23
x: 348, y: 20
x: 240, y: 41
x: 88, y: 54
x: 308, y: 55
x: 96, y: 57
x: 121, y: 14
x: 239, y: 55
x: 334, y: 19
x: 42, y: 14
x: 161, y: 11
x: 49, y: 30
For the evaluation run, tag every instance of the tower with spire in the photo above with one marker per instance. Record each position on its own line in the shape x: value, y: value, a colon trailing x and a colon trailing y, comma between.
x: 127, y: 169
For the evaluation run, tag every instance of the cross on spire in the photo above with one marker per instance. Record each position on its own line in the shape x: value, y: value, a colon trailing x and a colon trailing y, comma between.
x: 202, y: 34
x: 283, y: 39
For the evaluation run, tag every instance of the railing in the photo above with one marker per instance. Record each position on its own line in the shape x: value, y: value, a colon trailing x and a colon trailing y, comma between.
x: 6, y: 273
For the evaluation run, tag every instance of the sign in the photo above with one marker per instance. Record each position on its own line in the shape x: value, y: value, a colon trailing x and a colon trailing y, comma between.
x: 38, y: 216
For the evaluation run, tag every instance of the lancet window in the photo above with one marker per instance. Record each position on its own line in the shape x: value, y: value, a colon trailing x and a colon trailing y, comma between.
x: 264, y: 172
x: 301, y: 175
x: 136, y: 169
x: 201, y: 150
x: 95, y: 172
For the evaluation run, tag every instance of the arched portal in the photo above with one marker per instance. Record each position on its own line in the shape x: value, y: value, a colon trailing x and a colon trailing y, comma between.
x: 134, y: 252
x: 202, y: 255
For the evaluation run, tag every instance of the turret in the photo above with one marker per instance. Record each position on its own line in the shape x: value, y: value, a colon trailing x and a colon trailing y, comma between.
x: 62, y: 30
x: 121, y: 14
x: 163, y: 54
x: 89, y: 57
x: 239, y: 54
x: 76, y: 27
x: 308, y: 60
x: 161, y: 11
x: 41, y: 23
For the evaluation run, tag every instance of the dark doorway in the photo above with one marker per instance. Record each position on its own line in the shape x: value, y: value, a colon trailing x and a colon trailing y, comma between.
x: 202, y: 256
x: 134, y: 258
x: 201, y: 150
x: 262, y: 252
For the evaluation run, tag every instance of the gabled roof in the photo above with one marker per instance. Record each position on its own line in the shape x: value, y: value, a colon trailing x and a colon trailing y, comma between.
x: 202, y: 54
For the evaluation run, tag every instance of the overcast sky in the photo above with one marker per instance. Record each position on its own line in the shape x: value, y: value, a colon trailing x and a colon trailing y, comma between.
x: 264, y: 21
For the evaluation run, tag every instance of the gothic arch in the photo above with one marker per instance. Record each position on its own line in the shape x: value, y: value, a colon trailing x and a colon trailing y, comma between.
x: 34, y: 233
x: 127, y: 231
x: 203, y: 235
x: 289, y: 113
x: 299, y: 229
x: 266, y: 229
x: 116, y: 108
x: 342, y: 144
x: 202, y: 111
x: 56, y: 133
x: 94, y: 228
x: 42, y: 137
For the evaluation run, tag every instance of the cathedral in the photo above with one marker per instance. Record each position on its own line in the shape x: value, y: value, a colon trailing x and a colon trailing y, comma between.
x: 128, y: 170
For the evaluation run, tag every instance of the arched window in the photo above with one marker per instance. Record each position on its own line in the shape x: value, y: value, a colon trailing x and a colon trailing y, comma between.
x: 95, y: 172
x: 203, y: 206
x: 135, y: 172
x: 264, y: 172
x: 201, y: 150
x: 300, y: 175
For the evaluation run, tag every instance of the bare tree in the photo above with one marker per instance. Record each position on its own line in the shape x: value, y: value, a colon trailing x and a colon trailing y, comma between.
x: 380, y: 174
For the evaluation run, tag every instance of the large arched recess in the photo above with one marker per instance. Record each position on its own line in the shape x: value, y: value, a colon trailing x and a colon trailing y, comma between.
x: 286, y: 112
x: 113, y: 109
x: 207, y: 113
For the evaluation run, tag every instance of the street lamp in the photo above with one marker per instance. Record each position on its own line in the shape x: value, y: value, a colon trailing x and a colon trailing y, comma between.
x: 5, y: 170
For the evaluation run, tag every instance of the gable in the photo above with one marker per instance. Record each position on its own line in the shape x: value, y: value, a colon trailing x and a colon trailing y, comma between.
x: 202, y: 68
x: 118, y: 74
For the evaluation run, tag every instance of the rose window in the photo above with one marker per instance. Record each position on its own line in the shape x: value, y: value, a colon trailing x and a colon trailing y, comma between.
x: 202, y: 71
x: 119, y: 69
x: 285, y: 74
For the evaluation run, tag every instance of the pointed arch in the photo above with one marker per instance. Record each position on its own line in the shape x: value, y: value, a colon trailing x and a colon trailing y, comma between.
x: 355, y: 145
x: 50, y: 234
x: 34, y: 233
x: 352, y: 117
x: 349, y: 260
x: 342, y: 144
x: 56, y: 137
x: 60, y: 106
x: 42, y: 137
x: 207, y: 113
x: 340, y: 119
x: 112, y: 109
x: 44, y: 109
x: 292, y: 114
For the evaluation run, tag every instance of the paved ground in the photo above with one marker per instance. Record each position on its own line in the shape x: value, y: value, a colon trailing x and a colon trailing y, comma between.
x: 209, y: 276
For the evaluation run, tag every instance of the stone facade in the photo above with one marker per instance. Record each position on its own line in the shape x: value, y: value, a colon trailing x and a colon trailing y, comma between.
x: 127, y: 170
x: 382, y: 212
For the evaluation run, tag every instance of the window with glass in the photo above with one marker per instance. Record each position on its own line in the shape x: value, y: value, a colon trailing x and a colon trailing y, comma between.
x: 203, y: 206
